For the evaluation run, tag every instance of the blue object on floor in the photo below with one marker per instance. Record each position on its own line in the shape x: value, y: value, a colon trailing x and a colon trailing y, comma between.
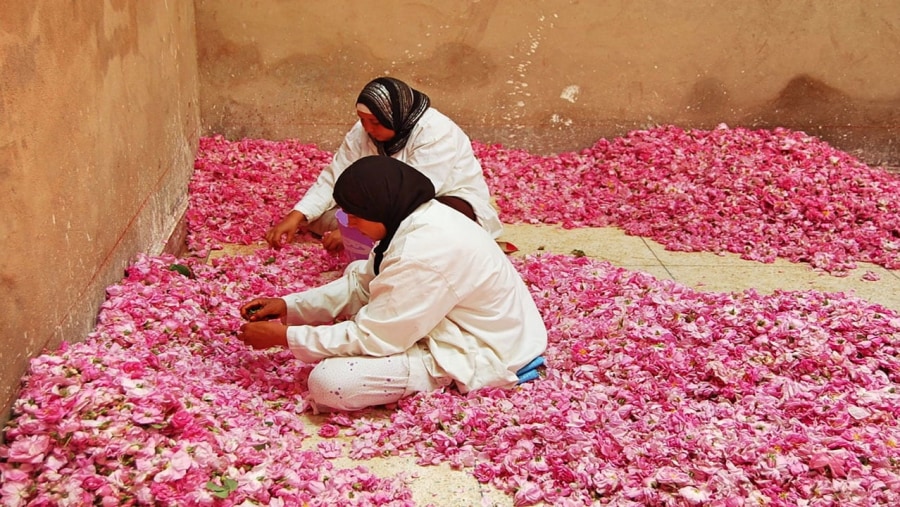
x: 528, y: 376
x: 529, y: 371
x: 538, y: 361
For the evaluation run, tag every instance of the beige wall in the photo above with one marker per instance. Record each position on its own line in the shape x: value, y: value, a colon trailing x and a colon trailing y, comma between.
x: 553, y: 76
x: 99, y: 124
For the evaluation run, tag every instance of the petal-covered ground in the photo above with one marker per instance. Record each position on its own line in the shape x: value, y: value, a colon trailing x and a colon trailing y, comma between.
x: 654, y: 393
x: 761, y: 194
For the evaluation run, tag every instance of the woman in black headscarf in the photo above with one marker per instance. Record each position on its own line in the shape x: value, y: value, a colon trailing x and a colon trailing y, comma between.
x: 437, y: 303
x: 384, y: 191
x: 397, y: 121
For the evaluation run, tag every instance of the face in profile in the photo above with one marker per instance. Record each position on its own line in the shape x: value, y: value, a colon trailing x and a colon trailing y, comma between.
x: 374, y: 128
x: 372, y: 230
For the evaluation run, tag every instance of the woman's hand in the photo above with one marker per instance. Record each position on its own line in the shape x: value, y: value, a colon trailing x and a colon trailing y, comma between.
x: 264, y: 309
x: 332, y: 241
x: 286, y: 229
x: 264, y: 335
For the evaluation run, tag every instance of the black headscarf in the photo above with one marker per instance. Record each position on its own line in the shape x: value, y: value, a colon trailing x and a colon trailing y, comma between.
x: 382, y: 189
x: 397, y: 107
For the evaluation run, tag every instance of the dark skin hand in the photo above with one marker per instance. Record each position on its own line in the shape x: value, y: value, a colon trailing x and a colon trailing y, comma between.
x: 284, y: 232
x: 261, y: 332
x: 332, y: 241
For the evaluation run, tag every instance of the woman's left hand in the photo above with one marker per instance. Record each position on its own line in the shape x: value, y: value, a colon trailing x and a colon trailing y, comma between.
x: 264, y: 334
x: 332, y: 241
x: 264, y: 309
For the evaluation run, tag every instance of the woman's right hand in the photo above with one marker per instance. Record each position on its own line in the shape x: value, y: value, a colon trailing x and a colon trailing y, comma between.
x: 287, y: 228
x: 264, y: 309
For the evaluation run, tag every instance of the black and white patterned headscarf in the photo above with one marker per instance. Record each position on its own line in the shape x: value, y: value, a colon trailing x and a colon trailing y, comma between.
x: 397, y: 107
x: 382, y: 189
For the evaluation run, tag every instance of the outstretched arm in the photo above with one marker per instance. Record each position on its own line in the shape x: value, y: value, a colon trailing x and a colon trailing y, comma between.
x: 406, y: 303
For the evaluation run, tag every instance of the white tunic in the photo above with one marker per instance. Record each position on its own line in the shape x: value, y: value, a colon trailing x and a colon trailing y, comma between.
x: 437, y: 148
x: 445, y: 288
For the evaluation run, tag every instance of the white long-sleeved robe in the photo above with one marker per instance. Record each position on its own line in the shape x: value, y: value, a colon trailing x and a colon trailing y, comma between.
x: 445, y: 290
x: 437, y: 148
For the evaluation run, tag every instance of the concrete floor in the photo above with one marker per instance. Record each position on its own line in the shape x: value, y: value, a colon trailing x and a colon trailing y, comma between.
x: 442, y: 486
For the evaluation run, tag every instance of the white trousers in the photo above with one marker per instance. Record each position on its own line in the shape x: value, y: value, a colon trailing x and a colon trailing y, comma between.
x: 353, y: 383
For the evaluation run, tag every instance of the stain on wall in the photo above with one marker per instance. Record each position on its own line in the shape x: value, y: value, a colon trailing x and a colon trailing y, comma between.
x: 99, y: 123
x: 283, y: 69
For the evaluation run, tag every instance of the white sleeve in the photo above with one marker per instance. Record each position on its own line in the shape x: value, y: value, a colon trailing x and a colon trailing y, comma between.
x: 434, y: 153
x: 407, y: 301
x: 319, y: 198
x: 440, y: 150
x: 341, y: 297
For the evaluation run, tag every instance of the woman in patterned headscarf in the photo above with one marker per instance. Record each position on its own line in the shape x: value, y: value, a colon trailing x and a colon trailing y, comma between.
x: 397, y: 121
x: 389, y: 103
x: 418, y: 315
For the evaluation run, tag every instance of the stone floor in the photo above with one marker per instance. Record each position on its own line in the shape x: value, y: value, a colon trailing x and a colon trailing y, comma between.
x: 442, y: 486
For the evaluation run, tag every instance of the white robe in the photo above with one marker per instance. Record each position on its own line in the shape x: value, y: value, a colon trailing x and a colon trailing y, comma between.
x: 437, y: 148
x: 445, y: 290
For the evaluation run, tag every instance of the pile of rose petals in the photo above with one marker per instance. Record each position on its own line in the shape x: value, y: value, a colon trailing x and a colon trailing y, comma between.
x: 660, y: 395
x: 761, y: 194
x: 241, y: 188
x: 162, y: 405
x: 653, y: 394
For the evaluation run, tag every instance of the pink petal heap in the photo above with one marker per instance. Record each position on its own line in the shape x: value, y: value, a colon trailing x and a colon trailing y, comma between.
x: 760, y: 194
x: 162, y: 405
x: 653, y: 393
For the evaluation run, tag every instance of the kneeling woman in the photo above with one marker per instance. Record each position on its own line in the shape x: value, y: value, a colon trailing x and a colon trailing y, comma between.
x: 437, y: 302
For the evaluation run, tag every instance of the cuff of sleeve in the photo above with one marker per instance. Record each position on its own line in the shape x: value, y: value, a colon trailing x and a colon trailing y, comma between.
x: 292, y: 316
x: 306, y: 213
x: 296, y: 345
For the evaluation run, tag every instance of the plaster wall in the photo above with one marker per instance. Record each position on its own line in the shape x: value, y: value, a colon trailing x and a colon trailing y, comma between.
x: 556, y: 75
x: 99, y: 122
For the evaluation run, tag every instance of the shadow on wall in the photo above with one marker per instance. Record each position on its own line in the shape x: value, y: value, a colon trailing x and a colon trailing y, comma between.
x: 805, y: 103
